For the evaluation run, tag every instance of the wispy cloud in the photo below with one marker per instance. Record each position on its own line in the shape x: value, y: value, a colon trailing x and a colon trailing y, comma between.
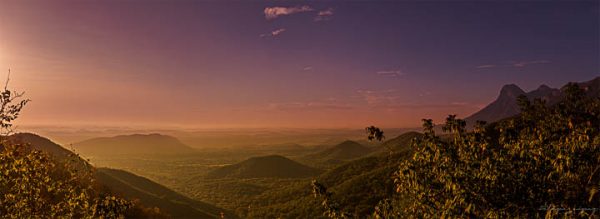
x: 308, y: 68
x: 486, y: 66
x: 273, y: 33
x: 379, y: 98
x: 274, y: 12
x: 515, y: 64
x: 324, y: 15
x: 391, y: 100
x: 390, y: 73
x: 327, y: 104
x: 526, y: 63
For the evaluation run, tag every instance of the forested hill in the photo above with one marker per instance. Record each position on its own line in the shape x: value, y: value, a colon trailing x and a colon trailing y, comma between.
x: 133, y: 144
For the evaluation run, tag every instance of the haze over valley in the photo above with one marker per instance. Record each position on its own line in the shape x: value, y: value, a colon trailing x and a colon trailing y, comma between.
x: 317, y: 109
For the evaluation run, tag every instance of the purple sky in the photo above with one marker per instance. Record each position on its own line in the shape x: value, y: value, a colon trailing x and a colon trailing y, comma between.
x: 286, y: 64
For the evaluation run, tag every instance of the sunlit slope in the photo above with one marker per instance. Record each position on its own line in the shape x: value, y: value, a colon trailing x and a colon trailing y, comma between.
x: 272, y: 166
x: 339, y: 153
x: 358, y: 185
x: 128, y: 185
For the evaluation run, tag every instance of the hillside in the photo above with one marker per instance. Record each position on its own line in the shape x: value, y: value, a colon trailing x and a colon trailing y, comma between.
x: 272, y: 166
x: 153, y: 194
x: 132, y: 144
x: 344, y: 151
x: 128, y: 185
x: 506, y: 105
x: 358, y: 185
x: 399, y: 144
x: 40, y: 143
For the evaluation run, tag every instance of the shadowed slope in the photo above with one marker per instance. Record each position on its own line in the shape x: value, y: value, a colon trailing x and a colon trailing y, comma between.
x: 153, y: 194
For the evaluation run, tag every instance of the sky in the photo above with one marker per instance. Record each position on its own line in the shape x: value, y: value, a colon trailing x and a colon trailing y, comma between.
x: 315, y: 64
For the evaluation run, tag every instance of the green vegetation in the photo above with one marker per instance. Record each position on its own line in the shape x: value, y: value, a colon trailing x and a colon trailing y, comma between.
x: 153, y: 194
x: 543, y: 162
x: 338, y: 154
x: 35, y: 185
x: 272, y: 166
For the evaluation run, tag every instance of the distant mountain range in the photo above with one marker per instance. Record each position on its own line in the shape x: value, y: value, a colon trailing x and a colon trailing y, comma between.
x: 272, y: 166
x: 506, y: 104
x: 132, y: 144
x: 128, y: 185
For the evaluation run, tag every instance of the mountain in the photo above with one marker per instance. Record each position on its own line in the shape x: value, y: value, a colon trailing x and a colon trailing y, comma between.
x: 132, y: 144
x: 592, y: 87
x: 346, y: 150
x: 153, y: 194
x: 128, y: 185
x: 272, y: 166
x: 40, y: 143
x: 506, y: 104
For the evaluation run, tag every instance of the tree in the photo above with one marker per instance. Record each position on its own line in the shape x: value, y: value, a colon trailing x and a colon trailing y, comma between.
x: 544, y: 162
x: 34, y: 184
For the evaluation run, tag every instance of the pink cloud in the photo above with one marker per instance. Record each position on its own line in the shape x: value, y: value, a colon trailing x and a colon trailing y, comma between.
x: 324, y: 15
x: 274, y: 12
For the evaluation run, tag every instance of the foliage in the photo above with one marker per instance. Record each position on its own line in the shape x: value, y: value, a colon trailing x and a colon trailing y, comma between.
x: 10, y: 107
x: 33, y: 184
x: 332, y: 208
x: 374, y: 133
x: 543, y: 162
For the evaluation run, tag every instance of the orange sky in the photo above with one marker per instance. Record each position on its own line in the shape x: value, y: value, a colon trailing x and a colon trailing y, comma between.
x: 203, y: 65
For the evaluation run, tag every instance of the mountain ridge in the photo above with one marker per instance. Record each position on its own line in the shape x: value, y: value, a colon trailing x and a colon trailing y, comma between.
x: 505, y: 105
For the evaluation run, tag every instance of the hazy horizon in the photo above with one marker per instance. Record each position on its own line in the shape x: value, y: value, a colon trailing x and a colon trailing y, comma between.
x: 285, y: 64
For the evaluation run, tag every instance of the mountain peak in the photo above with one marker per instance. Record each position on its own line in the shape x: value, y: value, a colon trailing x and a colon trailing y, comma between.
x: 511, y: 90
x: 544, y: 87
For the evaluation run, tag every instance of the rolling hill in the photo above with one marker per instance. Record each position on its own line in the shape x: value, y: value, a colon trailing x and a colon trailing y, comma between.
x: 40, y: 143
x: 132, y: 144
x: 128, y: 185
x: 272, y: 166
x: 399, y: 144
x: 358, y: 186
x: 153, y: 194
x: 346, y: 150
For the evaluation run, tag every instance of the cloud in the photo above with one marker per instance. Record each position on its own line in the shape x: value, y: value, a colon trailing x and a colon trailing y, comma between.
x: 273, y: 33
x: 514, y: 64
x: 324, y: 15
x: 486, y: 66
x: 274, y: 12
x: 391, y: 73
x: 308, y: 68
x: 391, y: 100
x: 379, y: 98
x: 328, y: 104
x: 526, y: 63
